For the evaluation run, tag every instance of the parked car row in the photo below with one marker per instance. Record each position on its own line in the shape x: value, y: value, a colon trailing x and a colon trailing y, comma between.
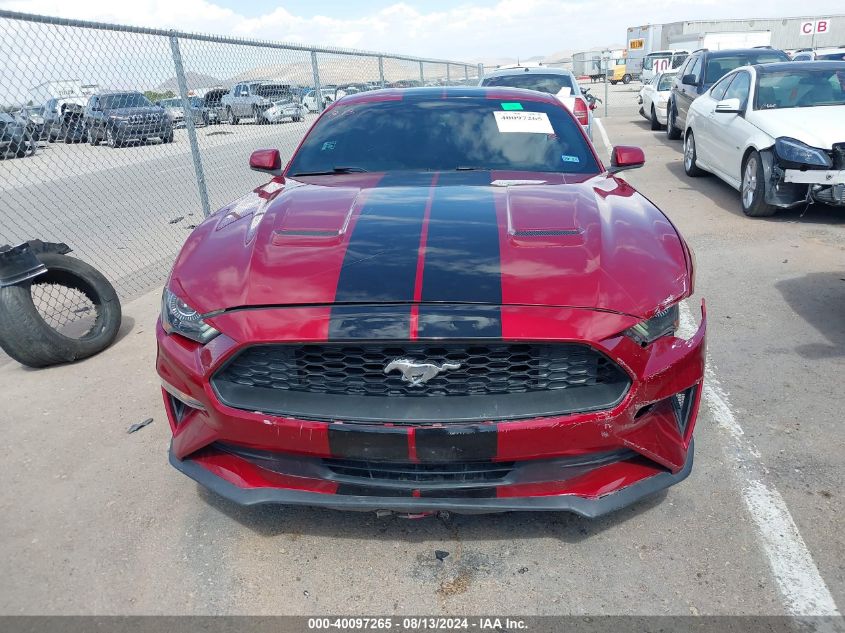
x: 771, y: 127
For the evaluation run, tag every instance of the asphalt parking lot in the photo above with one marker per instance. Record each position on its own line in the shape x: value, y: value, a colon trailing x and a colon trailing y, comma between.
x: 96, y: 521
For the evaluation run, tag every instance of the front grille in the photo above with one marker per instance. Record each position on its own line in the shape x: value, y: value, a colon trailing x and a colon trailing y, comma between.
x: 411, y: 473
x: 144, y: 118
x: 486, y: 381
x: 359, y: 370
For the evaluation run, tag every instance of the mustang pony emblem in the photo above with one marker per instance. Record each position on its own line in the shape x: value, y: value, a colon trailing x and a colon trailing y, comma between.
x: 418, y: 373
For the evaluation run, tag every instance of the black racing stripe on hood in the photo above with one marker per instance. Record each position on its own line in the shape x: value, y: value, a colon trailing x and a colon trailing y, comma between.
x: 466, y: 322
x: 381, y: 258
x: 463, y: 260
x: 353, y: 323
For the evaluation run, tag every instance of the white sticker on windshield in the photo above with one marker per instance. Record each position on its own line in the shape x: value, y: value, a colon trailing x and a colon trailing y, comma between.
x: 530, y: 122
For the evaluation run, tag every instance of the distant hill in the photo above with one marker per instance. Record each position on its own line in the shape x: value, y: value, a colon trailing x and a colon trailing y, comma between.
x: 558, y: 57
x: 194, y: 81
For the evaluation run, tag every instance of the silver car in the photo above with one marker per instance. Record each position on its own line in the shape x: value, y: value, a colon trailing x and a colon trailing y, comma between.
x: 556, y: 81
x: 176, y: 111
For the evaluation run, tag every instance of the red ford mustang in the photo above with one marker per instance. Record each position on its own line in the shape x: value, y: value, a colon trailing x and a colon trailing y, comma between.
x: 445, y: 302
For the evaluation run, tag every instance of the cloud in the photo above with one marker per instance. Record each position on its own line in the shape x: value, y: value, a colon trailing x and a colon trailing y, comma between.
x: 468, y: 31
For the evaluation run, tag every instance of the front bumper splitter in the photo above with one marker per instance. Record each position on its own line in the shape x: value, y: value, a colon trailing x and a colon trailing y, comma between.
x: 583, y: 506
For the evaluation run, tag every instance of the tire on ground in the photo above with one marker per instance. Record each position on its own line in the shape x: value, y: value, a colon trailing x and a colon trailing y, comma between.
x: 30, y: 340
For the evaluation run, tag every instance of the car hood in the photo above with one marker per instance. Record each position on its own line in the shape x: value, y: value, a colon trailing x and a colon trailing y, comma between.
x: 134, y: 111
x: 820, y: 126
x: 459, y: 237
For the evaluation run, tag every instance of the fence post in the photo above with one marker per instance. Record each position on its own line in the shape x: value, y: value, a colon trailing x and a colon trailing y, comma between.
x: 480, y: 72
x: 189, y: 124
x: 448, y: 75
x: 317, y: 90
x: 422, y: 75
x: 381, y: 70
x: 466, y: 73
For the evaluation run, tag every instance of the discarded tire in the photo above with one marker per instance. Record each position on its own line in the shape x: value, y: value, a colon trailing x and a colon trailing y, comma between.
x: 66, y: 313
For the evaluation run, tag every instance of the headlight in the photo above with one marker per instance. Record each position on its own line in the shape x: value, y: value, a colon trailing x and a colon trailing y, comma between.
x: 794, y: 151
x: 180, y: 318
x: 661, y: 324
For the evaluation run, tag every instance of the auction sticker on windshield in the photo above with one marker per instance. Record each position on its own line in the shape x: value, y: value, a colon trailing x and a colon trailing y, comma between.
x: 530, y: 122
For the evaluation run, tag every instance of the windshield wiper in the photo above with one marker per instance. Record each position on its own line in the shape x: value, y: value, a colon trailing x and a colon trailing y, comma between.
x: 333, y: 170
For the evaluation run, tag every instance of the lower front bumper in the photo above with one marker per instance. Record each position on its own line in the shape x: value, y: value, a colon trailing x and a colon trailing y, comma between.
x: 584, y: 506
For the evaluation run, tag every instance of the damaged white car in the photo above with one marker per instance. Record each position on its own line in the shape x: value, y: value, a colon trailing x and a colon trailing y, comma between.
x: 775, y: 132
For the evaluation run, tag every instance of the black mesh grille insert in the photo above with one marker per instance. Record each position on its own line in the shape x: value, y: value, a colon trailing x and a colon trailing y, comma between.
x: 465, y: 472
x: 359, y: 369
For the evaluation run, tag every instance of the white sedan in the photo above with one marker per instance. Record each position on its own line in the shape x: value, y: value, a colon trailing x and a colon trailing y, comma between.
x: 775, y: 132
x: 654, y: 98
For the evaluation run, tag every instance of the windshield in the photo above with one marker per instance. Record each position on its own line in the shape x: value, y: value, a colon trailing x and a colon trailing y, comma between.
x: 665, y: 82
x: 550, y: 83
x: 425, y: 134
x: 718, y: 67
x: 648, y: 62
x: 800, y: 88
x: 274, y: 91
x: 127, y: 100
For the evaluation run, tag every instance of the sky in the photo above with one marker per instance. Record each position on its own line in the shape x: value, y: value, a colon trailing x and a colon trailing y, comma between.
x: 468, y: 30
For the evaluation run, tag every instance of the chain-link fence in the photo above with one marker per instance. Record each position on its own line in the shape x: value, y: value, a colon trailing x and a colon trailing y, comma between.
x: 117, y: 140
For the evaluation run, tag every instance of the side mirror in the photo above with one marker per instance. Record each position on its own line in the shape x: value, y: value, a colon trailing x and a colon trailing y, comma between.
x: 266, y: 160
x: 625, y: 157
x: 689, y: 80
x: 729, y: 106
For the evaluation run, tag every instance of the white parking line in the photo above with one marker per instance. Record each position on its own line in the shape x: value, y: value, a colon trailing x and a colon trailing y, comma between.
x: 604, y: 137
x: 799, y: 581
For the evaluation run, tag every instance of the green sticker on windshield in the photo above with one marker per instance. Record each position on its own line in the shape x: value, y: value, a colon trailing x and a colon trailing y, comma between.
x: 512, y: 105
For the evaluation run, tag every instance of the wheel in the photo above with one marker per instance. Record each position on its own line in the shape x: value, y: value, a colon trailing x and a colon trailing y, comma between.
x: 672, y: 132
x: 655, y: 125
x: 259, y: 116
x: 26, y: 333
x: 690, y: 166
x: 93, y: 140
x: 20, y: 150
x: 233, y: 120
x: 613, y: 83
x: 626, y: 79
x: 167, y: 137
x: 753, y: 191
x: 205, y: 119
x: 111, y: 139
x: 296, y: 119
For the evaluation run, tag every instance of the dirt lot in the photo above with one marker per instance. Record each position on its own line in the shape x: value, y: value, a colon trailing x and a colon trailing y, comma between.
x: 96, y: 521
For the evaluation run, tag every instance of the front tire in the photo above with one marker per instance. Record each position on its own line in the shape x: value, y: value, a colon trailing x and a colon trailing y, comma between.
x: 626, y: 79
x: 111, y: 139
x: 230, y: 115
x: 672, y: 131
x: 691, y: 168
x: 655, y: 125
x: 753, y: 189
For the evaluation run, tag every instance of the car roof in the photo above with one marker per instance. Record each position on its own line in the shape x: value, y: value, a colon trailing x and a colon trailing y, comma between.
x: 448, y: 92
x: 802, y: 65
x: 727, y: 52
x: 532, y: 70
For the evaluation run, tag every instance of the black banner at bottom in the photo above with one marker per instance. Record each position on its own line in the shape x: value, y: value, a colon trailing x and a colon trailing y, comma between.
x: 413, y: 624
